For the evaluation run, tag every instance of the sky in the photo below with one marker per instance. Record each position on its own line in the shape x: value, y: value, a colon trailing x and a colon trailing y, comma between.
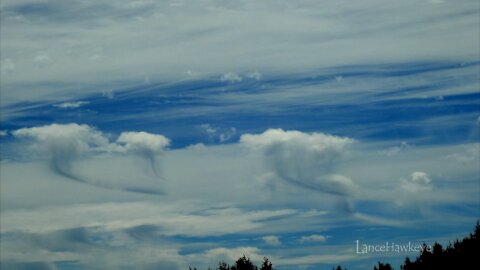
x: 141, y: 134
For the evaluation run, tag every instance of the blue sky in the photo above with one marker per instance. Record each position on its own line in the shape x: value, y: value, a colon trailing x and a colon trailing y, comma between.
x: 167, y: 134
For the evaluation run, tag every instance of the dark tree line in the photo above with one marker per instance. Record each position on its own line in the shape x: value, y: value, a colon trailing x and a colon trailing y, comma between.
x: 461, y: 254
x: 244, y: 263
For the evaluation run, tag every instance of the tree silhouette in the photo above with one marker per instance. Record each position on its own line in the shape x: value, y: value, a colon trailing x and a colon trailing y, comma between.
x: 459, y: 255
x: 223, y: 266
x: 266, y: 265
x: 243, y: 263
x: 382, y: 266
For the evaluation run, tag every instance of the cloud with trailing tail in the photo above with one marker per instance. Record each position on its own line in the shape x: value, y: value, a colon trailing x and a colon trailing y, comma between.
x: 147, y: 145
x: 306, y: 160
x: 65, y: 144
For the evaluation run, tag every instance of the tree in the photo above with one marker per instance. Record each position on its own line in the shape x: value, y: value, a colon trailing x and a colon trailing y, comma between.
x: 244, y: 263
x: 459, y: 255
x: 382, y: 266
x: 223, y: 266
x: 266, y: 265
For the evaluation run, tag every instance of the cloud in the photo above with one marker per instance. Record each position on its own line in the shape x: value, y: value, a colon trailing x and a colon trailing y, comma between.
x: 27, y: 265
x: 42, y: 60
x: 334, y: 258
x: 420, y: 178
x: 272, y: 240
x: 313, y: 238
x: 66, y: 144
x: 418, y: 182
x: 110, y: 94
x: 96, y: 225
x: 207, y: 128
x: 7, y: 65
x: 219, y: 134
x: 254, y: 75
x: 395, y: 150
x: 3, y: 133
x: 231, y: 77
x: 172, y: 219
x: 144, y: 144
x: 308, y: 160
x: 470, y: 154
x: 71, y: 105
x: 242, y: 44
x: 232, y: 254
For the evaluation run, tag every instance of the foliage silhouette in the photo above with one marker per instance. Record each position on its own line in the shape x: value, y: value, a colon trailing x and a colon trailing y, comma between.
x: 382, y: 266
x: 244, y: 263
x: 458, y: 255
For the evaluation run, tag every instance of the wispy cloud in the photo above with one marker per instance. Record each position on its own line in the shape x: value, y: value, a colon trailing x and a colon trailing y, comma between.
x: 313, y: 238
x: 168, y: 134
x: 71, y: 105
x: 229, y: 37
x: 272, y: 240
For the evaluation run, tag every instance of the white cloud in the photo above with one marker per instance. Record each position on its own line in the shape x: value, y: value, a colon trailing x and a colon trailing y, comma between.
x: 255, y: 75
x: 470, y: 154
x: 285, y: 45
x: 272, y: 240
x: 64, y: 143
x: 308, y: 160
x: 231, y: 77
x: 143, y: 142
x: 68, y: 146
x: 228, y: 134
x: 42, y: 60
x: 3, y: 133
x: 66, y: 140
x: 395, y: 150
x: 218, y: 133
x: 214, y: 171
x: 317, y: 259
x: 232, y: 254
x: 7, y: 65
x: 313, y: 238
x: 420, y: 178
x: 211, y: 132
x: 71, y: 105
x: 418, y: 182
x: 110, y: 94
x: 175, y: 218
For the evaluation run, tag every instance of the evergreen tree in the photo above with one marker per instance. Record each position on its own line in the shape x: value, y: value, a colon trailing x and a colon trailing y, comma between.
x: 266, y: 265
x: 459, y: 255
x: 244, y: 263
x: 382, y: 266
